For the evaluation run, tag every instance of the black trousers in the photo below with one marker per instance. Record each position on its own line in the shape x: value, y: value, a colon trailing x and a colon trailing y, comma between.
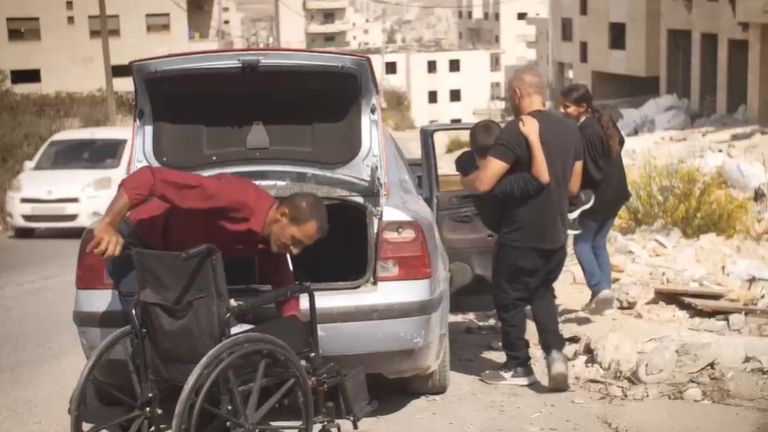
x: 525, y: 276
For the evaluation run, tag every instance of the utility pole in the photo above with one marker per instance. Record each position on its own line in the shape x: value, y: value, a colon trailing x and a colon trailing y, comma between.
x: 277, y: 23
x: 111, y: 111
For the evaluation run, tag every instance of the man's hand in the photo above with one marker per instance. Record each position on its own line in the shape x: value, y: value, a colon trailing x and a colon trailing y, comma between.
x: 529, y: 126
x: 107, y: 242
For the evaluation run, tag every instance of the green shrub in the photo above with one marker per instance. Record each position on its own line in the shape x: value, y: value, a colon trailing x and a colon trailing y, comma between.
x: 27, y: 120
x: 456, y: 144
x: 681, y: 196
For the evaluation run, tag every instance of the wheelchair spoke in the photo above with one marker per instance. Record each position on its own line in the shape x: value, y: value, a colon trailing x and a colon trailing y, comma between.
x: 272, y: 401
x: 117, y: 394
x: 115, y: 422
x: 253, y: 399
x: 238, y: 397
x: 217, y: 412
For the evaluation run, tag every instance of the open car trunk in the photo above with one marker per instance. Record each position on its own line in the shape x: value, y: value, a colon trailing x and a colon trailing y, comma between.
x: 342, y: 259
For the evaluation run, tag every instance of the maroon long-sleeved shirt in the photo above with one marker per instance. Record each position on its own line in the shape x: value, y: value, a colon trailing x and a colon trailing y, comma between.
x: 175, y: 211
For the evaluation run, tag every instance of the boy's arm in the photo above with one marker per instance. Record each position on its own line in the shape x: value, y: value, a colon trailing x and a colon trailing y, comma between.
x: 485, y: 178
x: 530, y: 129
x: 515, y: 186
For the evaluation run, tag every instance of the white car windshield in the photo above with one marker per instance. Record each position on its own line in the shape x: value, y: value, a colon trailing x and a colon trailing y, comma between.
x: 82, y: 154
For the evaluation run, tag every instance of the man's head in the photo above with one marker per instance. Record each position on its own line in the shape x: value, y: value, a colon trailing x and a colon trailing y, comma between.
x: 527, y: 90
x: 297, y: 221
x: 483, y: 136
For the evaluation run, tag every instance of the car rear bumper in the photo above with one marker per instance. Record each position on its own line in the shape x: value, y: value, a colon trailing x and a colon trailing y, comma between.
x: 395, y: 329
x: 38, y: 215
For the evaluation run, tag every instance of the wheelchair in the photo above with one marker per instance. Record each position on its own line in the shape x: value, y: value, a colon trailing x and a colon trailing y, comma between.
x: 196, y: 357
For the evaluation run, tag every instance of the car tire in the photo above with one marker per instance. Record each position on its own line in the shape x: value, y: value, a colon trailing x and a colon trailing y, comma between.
x: 23, y: 233
x: 437, y: 381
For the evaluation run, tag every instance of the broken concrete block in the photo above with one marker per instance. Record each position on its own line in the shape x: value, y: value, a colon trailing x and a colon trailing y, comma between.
x: 736, y: 321
x: 746, y: 269
x: 571, y: 351
x: 615, y: 391
x: 615, y: 353
x: 636, y: 393
x: 619, y: 264
x: 693, y: 394
x: 660, y: 359
x: 743, y: 175
x: 630, y: 295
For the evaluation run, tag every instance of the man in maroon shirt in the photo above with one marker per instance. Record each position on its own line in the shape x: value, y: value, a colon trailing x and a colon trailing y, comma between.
x: 163, y: 209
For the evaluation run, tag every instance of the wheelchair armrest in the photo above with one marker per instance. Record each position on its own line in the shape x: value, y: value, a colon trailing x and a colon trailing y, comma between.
x: 262, y: 298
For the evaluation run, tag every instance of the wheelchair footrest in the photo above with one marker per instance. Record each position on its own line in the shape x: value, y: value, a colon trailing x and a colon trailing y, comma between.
x: 354, y: 391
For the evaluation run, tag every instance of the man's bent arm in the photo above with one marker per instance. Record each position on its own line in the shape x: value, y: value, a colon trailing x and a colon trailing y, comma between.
x: 515, y: 186
x: 574, y: 186
x: 485, y: 178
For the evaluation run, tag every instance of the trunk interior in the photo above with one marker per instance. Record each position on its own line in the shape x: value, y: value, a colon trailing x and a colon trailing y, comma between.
x: 341, y: 259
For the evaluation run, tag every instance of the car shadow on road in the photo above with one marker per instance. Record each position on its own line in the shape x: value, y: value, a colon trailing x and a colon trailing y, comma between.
x: 55, y: 234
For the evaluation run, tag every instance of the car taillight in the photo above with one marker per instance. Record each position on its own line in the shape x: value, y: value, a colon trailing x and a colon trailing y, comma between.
x: 91, y: 269
x: 403, y: 253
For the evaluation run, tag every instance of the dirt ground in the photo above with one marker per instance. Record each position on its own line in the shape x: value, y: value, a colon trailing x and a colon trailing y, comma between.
x: 471, y: 405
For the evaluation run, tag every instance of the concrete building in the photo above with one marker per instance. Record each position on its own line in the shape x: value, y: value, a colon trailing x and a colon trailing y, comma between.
x: 54, y: 45
x: 610, y: 45
x: 444, y: 86
x: 716, y: 55
x: 292, y: 24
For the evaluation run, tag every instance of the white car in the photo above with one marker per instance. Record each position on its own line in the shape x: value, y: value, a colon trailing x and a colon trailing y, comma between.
x: 303, y: 121
x: 69, y: 182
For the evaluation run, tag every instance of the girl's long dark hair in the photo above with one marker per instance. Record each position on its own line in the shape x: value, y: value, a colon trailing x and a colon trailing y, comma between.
x: 578, y: 94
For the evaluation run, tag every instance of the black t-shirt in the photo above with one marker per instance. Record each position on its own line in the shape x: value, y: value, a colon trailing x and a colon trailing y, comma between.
x: 602, y: 174
x: 540, y: 221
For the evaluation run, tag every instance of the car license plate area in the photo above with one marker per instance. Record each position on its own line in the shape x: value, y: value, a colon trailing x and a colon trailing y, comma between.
x: 48, y: 210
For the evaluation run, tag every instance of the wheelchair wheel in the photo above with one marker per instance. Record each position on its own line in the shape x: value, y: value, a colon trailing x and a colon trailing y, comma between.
x: 249, y: 382
x: 108, y: 393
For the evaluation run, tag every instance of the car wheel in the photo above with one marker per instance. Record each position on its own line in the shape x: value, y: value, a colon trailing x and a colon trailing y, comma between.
x: 437, y: 381
x: 23, y: 233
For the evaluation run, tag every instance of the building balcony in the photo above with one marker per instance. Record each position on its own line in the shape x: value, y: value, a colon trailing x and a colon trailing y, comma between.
x: 325, y: 4
x: 337, y: 27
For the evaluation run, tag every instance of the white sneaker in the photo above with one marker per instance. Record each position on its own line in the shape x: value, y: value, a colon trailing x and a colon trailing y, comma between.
x: 602, y: 303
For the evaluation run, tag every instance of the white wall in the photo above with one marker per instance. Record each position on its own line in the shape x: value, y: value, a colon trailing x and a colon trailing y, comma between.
x: 70, y: 60
x: 473, y: 80
x: 292, y: 24
x: 517, y: 36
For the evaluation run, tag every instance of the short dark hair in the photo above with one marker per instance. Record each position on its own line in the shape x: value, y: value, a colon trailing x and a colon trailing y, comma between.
x: 483, y: 136
x: 306, y: 207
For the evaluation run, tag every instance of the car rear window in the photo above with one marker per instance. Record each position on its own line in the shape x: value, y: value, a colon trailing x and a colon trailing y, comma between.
x: 82, y: 154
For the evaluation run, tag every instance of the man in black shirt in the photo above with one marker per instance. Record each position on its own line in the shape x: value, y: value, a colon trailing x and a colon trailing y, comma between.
x: 532, y: 243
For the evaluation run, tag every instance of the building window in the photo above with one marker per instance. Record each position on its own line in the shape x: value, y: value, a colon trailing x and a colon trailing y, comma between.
x: 455, y: 120
x: 583, y: 8
x: 431, y: 66
x: 70, y: 5
x: 495, y: 62
x: 329, y: 38
x: 486, y: 16
x: 329, y: 18
x: 23, y: 29
x: 432, y: 96
x: 566, y: 29
x: 365, y: 32
x: 497, y: 16
x: 496, y: 91
x: 391, y: 68
x: 113, y: 26
x: 461, y: 35
x: 121, y: 71
x: 461, y: 14
x: 583, y: 53
x: 469, y: 14
x: 225, y: 9
x: 226, y: 22
x: 158, y: 23
x: 25, y: 76
x: 454, y: 65
x: 618, y: 36
x: 71, y: 20
x: 496, y: 38
x: 455, y: 95
x: 522, y: 16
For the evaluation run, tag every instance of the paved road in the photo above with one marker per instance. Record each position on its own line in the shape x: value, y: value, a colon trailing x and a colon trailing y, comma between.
x: 40, y: 359
x: 40, y: 355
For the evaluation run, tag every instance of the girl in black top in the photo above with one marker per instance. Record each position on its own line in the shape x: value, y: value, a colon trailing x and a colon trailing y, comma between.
x: 604, y: 174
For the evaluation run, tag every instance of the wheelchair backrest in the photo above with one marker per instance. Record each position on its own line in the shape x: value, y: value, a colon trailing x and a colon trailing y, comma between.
x: 182, y: 305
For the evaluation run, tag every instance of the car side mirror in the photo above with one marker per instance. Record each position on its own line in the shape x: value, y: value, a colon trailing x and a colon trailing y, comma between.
x: 27, y: 165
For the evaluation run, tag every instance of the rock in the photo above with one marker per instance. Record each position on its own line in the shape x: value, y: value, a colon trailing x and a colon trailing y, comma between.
x: 615, y: 353
x: 578, y: 401
x: 571, y: 351
x: 736, y: 321
x: 746, y: 270
x: 619, y: 264
x: 615, y: 391
x: 693, y: 394
x: 629, y: 296
x: 434, y: 398
x: 743, y: 175
x: 636, y: 393
x: 660, y: 359
x: 757, y: 350
x: 710, y: 325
